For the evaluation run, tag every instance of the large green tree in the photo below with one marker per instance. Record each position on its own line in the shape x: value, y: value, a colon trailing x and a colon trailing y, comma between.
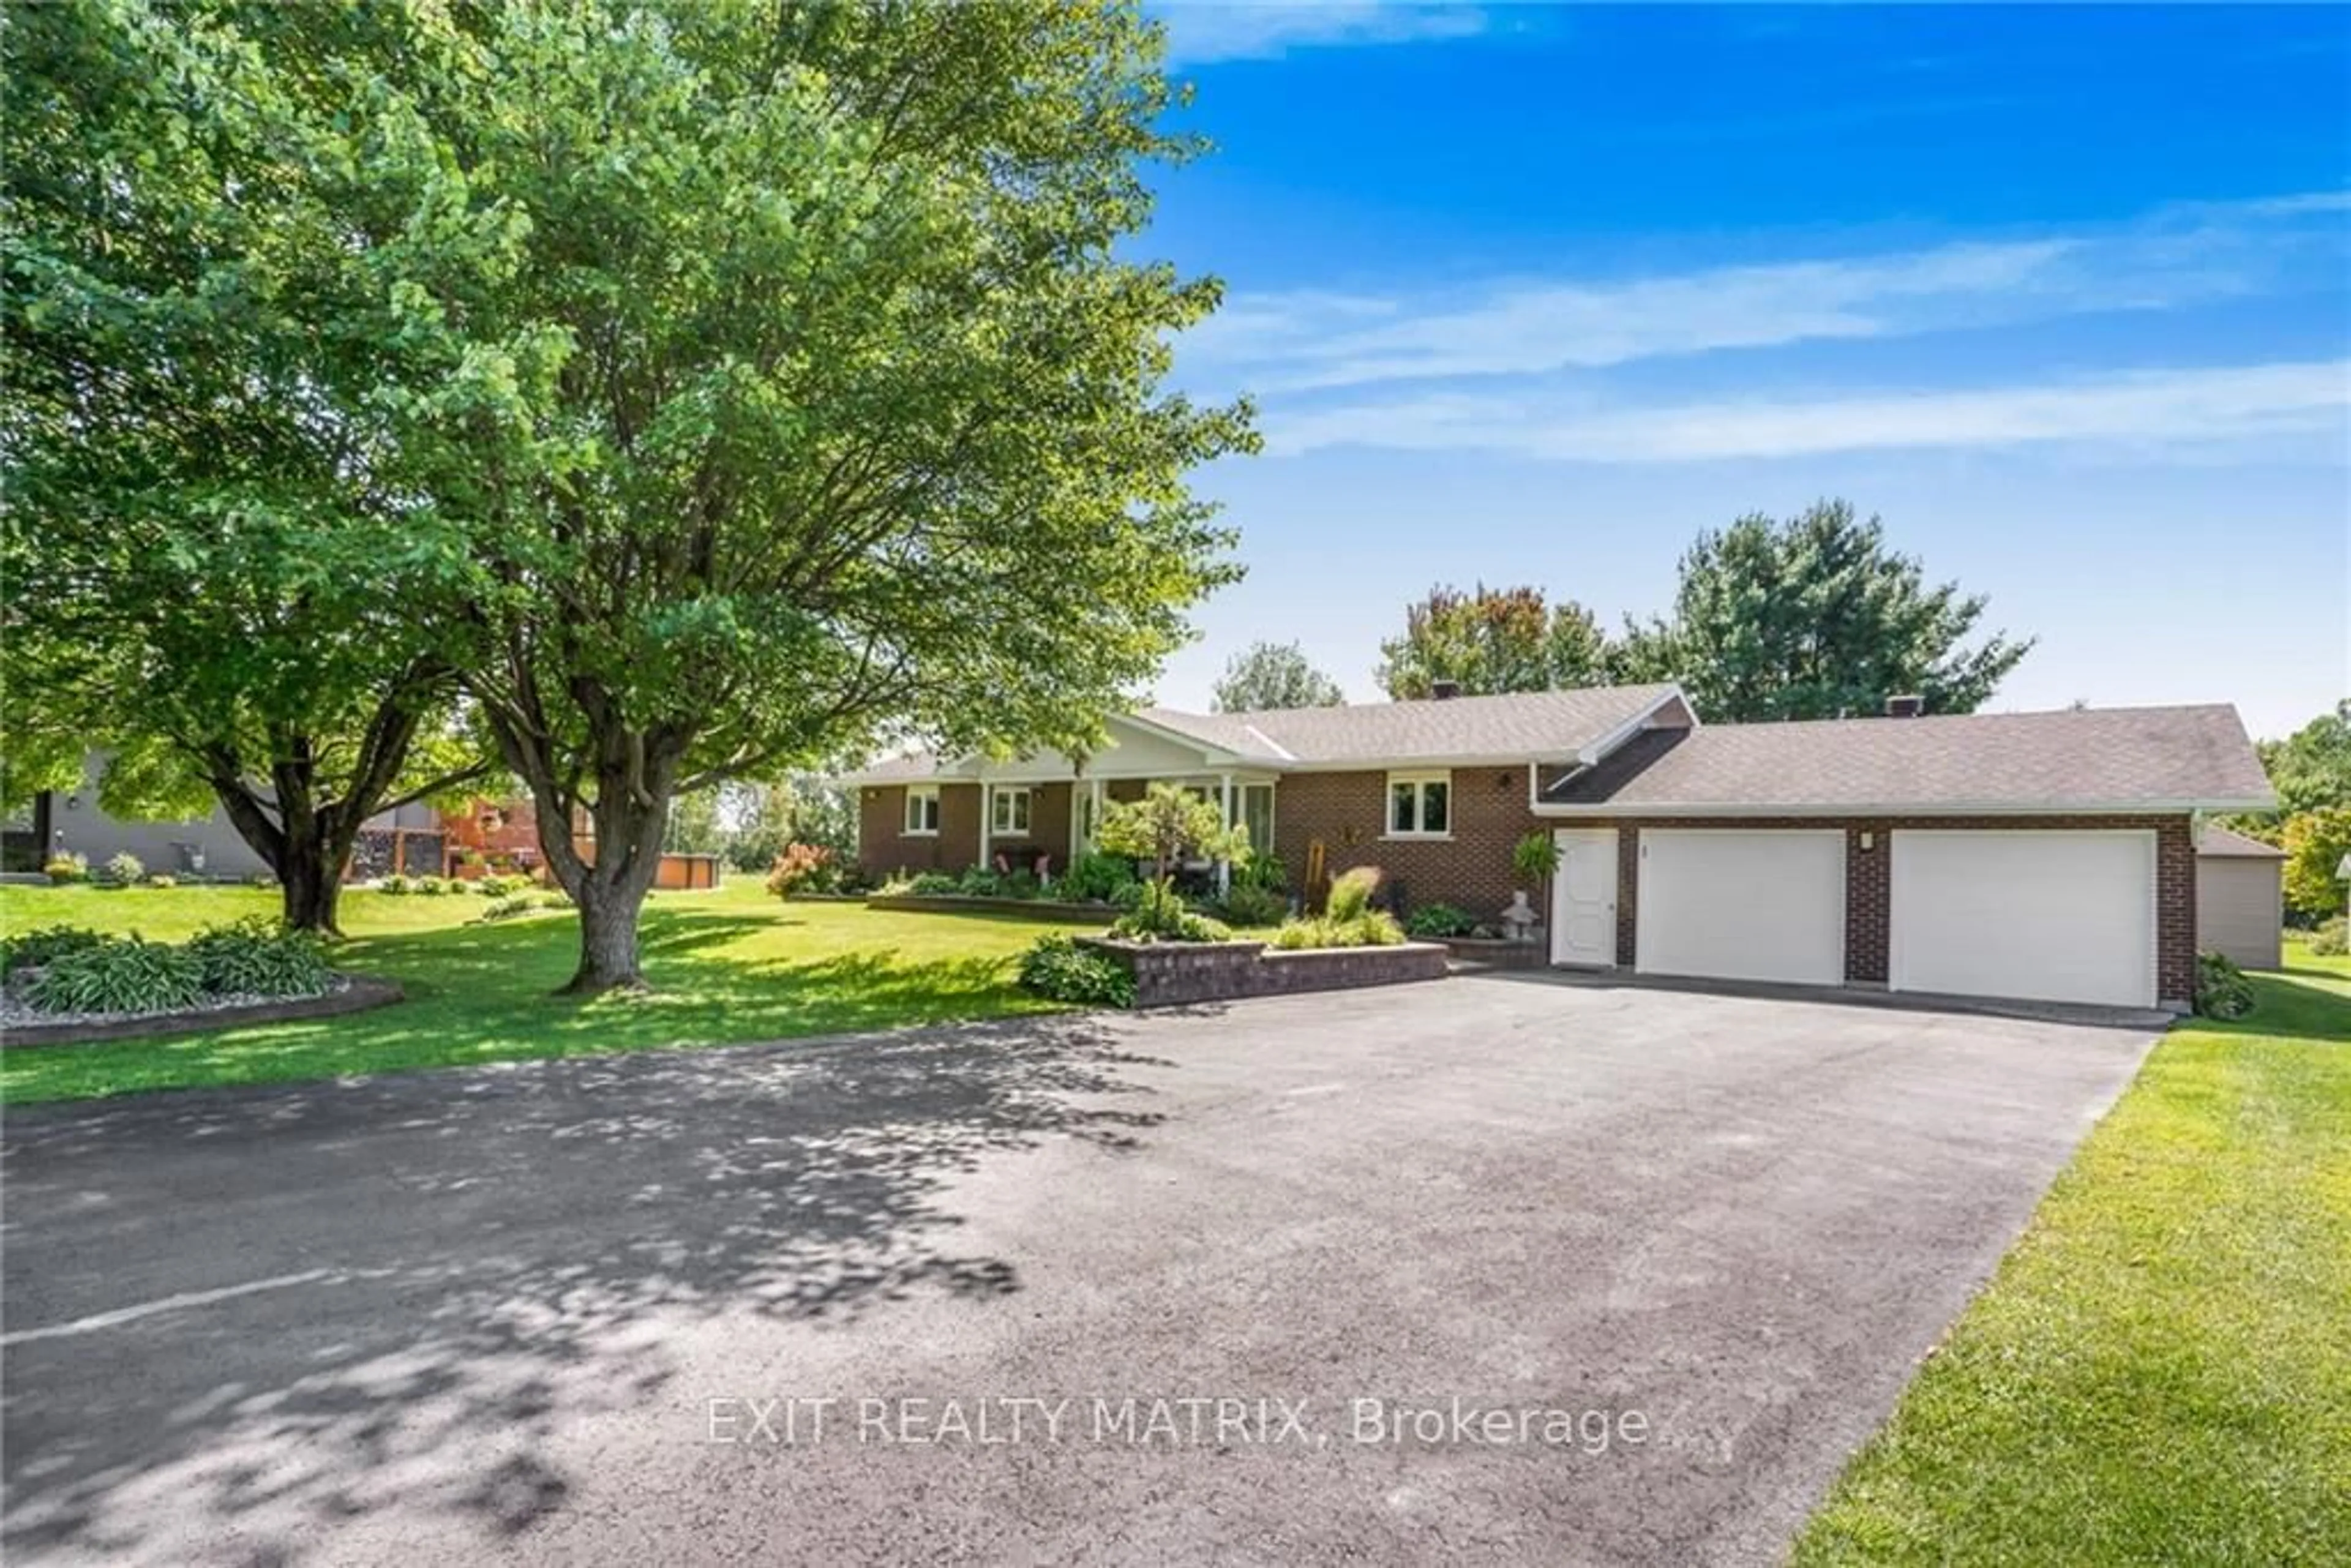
x: 801, y: 392
x: 206, y: 549
x: 1814, y: 618
x: 2316, y: 843
x: 1493, y: 639
x: 2311, y: 768
x: 1269, y: 675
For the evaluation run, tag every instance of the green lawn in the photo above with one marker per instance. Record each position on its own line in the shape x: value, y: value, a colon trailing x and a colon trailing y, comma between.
x: 2161, y: 1372
x: 727, y: 966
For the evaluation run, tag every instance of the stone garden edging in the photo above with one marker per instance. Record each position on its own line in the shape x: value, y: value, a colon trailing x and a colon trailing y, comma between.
x: 357, y: 993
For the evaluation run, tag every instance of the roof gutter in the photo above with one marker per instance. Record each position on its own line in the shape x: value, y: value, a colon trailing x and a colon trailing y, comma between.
x: 1906, y: 808
x: 1634, y: 725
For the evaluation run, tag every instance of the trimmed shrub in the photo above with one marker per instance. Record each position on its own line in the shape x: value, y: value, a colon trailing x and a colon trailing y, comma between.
x: 1373, y: 928
x: 805, y: 868
x: 120, y: 975
x: 2222, y: 989
x: 256, y: 957
x: 1264, y: 871
x: 1056, y: 967
x: 2331, y: 939
x: 1351, y: 893
x: 31, y: 949
x: 1438, y: 920
x: 521, y: 904
x: 932, y: 883
x: 1160, y: 916
x: 163, y: 879
x: 126, y: 870
x: 498, y: 886
x: 1305, y: 932
x: 65, y: 868
x: 1245, y: 904
x: 395, y: 884
x: 1097, y: 877
x: 434, y: 886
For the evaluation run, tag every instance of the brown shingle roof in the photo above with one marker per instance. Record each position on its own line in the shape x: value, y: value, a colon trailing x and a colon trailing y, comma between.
x: 907, y: 766
x: 1552, y: 725
x: 2102, y: 758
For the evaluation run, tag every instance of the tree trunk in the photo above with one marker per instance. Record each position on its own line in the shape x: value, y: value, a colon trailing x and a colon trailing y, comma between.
x: 310, y: 887
x: 610, y: 889
x: 608, y: 939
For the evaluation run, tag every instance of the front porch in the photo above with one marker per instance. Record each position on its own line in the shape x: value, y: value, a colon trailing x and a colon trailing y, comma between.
x: 1041, y: 813
x: 1042, y: 825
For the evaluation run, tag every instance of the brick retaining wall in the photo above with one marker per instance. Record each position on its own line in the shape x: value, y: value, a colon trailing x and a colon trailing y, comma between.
x: 1173, y: 974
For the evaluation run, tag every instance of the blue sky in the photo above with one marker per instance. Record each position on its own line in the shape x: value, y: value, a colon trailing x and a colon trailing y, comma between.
x: 1534, y: 294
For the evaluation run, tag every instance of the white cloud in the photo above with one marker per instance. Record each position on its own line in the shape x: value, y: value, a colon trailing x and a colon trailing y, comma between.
x: 2144, y: 409
x: 1203, y: 34
x: 1311, y: 339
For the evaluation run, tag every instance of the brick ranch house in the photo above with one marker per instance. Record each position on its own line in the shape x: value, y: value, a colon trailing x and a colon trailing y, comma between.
x: 2046, y: 856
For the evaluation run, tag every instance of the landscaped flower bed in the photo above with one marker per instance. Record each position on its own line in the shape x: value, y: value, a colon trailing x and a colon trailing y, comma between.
x: 22, y: 1027
x: 63, y: 983
x: 1096, y: 887
x: 965, y: 903
x: 1162, y: 954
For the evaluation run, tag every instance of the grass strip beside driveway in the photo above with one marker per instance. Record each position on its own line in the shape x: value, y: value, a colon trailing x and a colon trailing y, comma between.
x: 727, y: 966
x: 2160, y: 1371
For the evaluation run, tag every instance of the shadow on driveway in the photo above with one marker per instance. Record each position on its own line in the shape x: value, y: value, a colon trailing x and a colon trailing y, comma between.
x: 239, y: 1318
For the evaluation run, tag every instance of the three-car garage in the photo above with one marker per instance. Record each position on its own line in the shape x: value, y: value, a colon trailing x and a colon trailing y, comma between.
x: 2028, y: 856
x: 2050, y: 915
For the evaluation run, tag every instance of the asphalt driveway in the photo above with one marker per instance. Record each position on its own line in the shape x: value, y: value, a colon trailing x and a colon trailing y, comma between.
x: 1653, y: 1262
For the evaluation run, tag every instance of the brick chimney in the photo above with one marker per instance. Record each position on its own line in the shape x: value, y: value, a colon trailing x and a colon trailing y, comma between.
x: 1909, y: 706
x: 1444, y: 691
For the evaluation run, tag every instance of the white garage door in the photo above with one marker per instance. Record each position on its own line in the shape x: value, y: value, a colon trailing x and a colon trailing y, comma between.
x: 1741, y: 905
x: 2049, y: 917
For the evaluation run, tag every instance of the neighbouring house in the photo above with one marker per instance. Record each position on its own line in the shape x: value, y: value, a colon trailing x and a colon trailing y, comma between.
x: 499, y: 836
x: 2240, y: 898
x: 2036, y: 855
x: 502, y: 836
x: 71, y: 821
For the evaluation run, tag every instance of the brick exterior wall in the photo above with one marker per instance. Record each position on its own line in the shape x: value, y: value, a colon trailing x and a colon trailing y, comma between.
x: 883, y: 845
x: 1869, y: 876
x: 1049, y: 828
x: 1348, y: 812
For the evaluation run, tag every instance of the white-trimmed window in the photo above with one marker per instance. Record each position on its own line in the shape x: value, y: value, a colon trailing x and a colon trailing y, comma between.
x: 1420, y: 805
x: 1009, y: 811
x: 921, y: 811
x: 1253, y: 809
